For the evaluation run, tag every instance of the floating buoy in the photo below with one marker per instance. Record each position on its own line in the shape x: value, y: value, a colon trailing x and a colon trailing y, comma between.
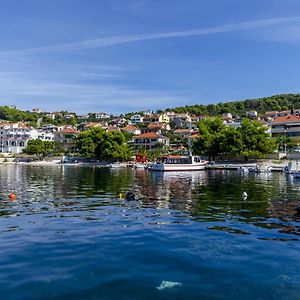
x: 130, y: 196
x: 244, y: 195
x: 12, y: 197
x: 120, y: 195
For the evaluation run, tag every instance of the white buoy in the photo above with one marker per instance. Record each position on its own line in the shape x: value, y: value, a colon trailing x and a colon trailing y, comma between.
x: 244, y: 195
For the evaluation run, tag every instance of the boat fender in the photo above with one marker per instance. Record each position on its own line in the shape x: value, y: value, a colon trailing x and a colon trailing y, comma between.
x: 12, y: 197
x: 244, y: 195
x: 130, y: 196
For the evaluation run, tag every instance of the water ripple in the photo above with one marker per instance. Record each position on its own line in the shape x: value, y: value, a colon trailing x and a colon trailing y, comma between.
x: 69, y: 234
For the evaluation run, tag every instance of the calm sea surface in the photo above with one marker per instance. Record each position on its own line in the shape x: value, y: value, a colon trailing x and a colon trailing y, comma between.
x: 70, y: 236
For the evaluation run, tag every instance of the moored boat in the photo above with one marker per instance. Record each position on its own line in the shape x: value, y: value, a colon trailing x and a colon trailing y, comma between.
x: 178, y: 163
x: 118, y: 165
x: 140, y: 165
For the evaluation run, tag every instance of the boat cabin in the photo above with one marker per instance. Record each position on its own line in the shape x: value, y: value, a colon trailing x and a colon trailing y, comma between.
x: 172, y: 159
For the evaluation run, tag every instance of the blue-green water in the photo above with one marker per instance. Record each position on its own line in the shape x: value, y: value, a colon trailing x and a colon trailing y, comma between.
x: 70, y: 236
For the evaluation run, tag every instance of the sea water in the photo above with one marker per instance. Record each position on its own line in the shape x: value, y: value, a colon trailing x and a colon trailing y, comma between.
x: 71, y: 234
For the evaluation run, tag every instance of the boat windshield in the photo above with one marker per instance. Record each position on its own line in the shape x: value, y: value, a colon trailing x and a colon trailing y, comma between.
x: 197, y: 159
x: 175, y: 160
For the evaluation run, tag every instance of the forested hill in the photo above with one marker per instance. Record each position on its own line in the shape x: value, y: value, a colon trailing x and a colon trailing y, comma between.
x: 261, y: 105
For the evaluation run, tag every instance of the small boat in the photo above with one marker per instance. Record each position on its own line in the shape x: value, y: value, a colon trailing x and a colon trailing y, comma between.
x: 118, y: 165
x: 140, y: 165
x: 178, y: 163
x: 293, y: 169
x: 260, y: 168
x: 244, y: 169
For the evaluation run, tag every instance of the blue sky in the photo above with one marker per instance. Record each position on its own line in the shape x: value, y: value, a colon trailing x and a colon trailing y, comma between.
x: 127, y: 55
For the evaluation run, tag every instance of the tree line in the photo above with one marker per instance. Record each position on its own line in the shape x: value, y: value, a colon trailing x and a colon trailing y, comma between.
x: 239, y: 108
x: 249, y: 140
x: 95, y: 143
x: 216, y: 138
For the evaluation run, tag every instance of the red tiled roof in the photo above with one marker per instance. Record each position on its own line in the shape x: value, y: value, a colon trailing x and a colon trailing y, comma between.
x: 182, y: 130
x: 286, y: 119
x: 148, y: 135
x: 284, y: 112
x: 152, y: 126
x: 68, y: 130
x: 194, y: 136
x: 112, y: 128
x: 92, y: 124
x: 130, y: 127
x: 271, y: 112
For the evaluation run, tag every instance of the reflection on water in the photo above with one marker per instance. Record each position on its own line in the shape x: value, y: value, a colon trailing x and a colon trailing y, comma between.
x: 205, y: 196
x: 180, y: 221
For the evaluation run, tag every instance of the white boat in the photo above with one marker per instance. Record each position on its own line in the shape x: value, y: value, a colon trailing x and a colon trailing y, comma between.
x: 118, y: 165
x: 260, y: 168
x: 292, y: 167
x: 244, y: 169
x: 178, y: 163
x: 140, y: 165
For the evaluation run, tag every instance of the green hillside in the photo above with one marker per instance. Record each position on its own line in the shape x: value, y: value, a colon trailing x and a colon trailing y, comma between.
x: 261, y: 105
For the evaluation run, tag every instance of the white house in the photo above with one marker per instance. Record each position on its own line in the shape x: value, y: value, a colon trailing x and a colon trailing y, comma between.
x: 101, y: 116
x: 65, y: 138
x: 69, y: 116
x: 233, y: 124
x: 132, y: 129
x: 136, y: 119
x: 15, y: 136
x: 36, y: 110
x: 285, y: 125
x: 49, y: 128
x: 181, y: 120
x: 149, y: 140
x: 251, y: 114
x: 45, y: 136
x: 227, y: 116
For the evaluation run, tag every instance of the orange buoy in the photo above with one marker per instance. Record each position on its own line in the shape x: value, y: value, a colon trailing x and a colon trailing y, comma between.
x: 12, y: 197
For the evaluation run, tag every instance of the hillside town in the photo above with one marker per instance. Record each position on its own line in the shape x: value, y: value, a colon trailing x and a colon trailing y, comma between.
x: 148, y: 130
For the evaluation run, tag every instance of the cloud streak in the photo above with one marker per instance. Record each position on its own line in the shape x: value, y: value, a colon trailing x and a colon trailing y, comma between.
x: 118, y: 40
x: 23, y: 89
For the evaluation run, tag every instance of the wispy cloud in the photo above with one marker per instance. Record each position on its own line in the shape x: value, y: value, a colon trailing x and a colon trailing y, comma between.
x: 67, y: 93
x: 52, y: 83
x: 118, y: 40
